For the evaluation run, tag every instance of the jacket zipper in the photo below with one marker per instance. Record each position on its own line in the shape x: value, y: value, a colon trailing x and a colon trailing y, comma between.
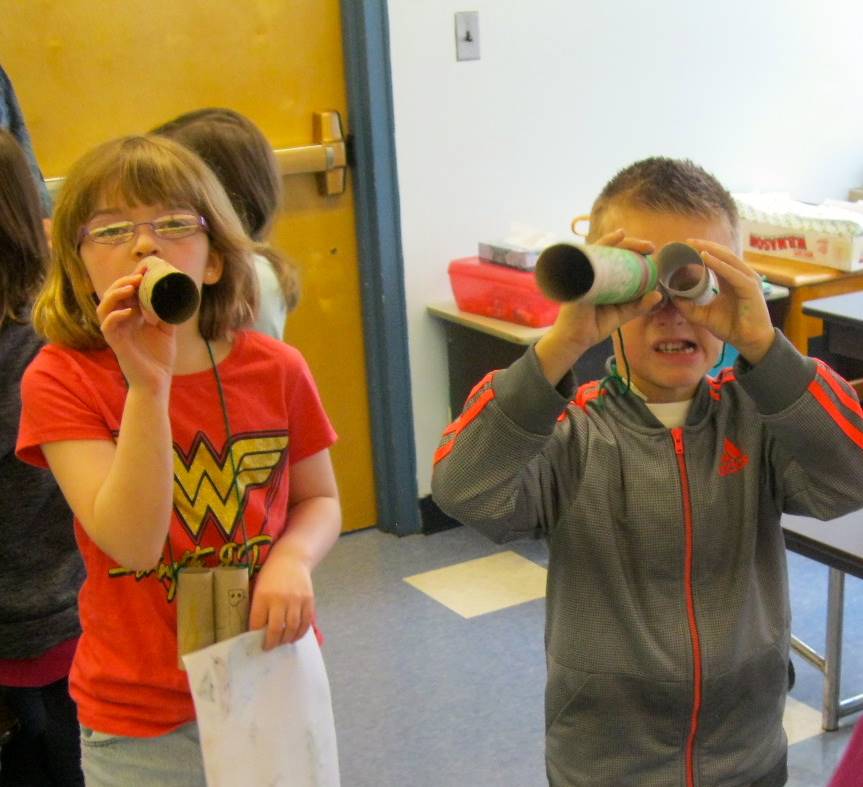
x: 677, y: 436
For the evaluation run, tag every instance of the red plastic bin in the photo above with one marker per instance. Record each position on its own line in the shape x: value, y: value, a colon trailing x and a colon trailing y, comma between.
x: 499, y: 291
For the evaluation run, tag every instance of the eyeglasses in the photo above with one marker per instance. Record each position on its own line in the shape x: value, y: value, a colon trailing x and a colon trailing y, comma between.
x: 173, y: 226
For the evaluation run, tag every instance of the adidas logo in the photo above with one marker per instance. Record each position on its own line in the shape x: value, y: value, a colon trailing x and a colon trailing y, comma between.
x: 733, y: 459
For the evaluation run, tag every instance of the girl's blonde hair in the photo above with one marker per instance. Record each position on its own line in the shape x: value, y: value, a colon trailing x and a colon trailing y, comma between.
x: 142, y: 170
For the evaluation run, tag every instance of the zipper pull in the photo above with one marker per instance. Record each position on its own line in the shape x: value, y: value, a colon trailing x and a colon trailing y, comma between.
x: 677, y: 436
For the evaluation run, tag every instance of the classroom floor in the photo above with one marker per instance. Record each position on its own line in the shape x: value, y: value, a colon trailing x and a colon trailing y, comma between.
x: 437, y: 667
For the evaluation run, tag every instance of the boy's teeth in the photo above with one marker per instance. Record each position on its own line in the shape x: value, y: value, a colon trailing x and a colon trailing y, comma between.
x: 675, y: 347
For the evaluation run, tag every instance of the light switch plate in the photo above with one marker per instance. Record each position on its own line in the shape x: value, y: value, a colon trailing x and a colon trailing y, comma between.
x: 467, y: 35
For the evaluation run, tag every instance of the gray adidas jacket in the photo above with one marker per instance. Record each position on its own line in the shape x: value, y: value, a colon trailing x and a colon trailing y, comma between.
x: 667, y: 619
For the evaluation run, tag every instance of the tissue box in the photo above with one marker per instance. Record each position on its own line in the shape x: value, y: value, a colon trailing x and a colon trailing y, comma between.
x: 829, y: 234
x: 492, y: 290
x: 510, y: 254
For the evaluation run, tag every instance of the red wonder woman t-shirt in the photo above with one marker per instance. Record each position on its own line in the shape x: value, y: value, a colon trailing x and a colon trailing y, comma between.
x: 125, y: 678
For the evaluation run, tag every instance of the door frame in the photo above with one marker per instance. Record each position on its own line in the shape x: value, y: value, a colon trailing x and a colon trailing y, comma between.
x: 365, y: 36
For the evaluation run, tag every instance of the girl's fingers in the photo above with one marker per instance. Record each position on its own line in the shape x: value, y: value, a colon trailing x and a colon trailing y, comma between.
x: 276, y: 625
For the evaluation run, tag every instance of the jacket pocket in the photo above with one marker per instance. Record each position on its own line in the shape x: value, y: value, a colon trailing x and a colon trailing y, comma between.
x: 741, y: 718
x: 614, y: 730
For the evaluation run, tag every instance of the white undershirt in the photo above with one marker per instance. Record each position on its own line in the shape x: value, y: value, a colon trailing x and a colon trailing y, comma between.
x: 669, y: 414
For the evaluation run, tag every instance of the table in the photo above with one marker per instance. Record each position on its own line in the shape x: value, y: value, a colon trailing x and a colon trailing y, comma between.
x: 842, y: 317
x: 476, y: 345
x: 805, y: 282
x: 838, y: 544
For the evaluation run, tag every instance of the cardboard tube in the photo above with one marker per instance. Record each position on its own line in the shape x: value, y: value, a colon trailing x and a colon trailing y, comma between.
x: 594, y: 274
x: 683, y: 274
x: 607, y: 274
x: 195, y: 621
x: 168, y: 293
x: 231, y: 601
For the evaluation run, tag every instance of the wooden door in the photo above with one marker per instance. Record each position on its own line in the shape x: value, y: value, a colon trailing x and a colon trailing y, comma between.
x: 89, y: 70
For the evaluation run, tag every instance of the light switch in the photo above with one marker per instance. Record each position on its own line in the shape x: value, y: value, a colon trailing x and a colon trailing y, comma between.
x: 467, y: 35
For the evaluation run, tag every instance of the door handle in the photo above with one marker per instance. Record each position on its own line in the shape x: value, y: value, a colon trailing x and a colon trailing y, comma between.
x: 327, y: 158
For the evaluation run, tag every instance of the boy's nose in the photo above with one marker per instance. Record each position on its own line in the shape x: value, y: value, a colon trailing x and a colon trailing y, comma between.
x: 665, y: 311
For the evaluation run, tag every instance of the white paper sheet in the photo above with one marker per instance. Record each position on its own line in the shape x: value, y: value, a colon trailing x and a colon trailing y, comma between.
x: 265, y: 718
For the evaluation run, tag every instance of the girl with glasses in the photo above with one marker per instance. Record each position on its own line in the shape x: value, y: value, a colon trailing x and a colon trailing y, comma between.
x: 195, y: 445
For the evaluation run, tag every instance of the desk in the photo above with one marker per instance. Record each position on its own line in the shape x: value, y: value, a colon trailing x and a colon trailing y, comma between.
x: 838, y: 544
x: 477, y: 345
x: 843, y: 322
x: 805, y: 282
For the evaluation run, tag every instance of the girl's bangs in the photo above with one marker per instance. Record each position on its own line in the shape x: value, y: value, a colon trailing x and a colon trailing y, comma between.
x: 149, y: 179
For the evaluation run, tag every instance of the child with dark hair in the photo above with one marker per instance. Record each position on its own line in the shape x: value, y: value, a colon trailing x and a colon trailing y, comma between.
x: 42, y: 570
x: 660, y: 494
x: 243, y: 160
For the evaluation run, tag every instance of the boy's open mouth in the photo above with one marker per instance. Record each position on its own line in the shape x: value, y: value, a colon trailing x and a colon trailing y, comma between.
x: 680, y: 346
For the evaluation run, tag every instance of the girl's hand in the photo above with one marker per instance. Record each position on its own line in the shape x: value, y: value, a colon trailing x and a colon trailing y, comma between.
x: 579, y: 326
x: 283, y: 602
x: 739, y: 314
x: 145, y: 351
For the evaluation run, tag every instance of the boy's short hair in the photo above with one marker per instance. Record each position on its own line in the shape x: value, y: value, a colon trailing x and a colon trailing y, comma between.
x: 665, y: 185
x: 142, y: 170
x: 23, y: 246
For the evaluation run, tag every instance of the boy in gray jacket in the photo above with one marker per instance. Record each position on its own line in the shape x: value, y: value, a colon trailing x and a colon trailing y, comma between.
x: 660, y: 493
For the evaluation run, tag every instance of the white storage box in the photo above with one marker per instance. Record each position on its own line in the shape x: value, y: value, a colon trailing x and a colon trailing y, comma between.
x: 828, y: 234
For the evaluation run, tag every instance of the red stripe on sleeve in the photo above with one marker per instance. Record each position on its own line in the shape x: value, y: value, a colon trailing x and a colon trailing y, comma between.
x: 462, y: 421
x: 822, y: 397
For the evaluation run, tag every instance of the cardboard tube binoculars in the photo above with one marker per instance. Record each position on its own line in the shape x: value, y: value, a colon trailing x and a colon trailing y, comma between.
x: 167, y: 292
x: 606, y: 274
x: 212, y: 606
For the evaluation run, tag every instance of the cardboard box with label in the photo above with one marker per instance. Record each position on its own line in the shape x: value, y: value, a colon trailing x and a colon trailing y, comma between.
x: 829, y: 234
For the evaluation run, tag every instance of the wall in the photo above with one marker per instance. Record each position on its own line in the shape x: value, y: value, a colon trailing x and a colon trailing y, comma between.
x: 763, y: 93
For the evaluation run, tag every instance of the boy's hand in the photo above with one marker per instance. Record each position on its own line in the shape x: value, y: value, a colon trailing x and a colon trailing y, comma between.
x: 739, y: 314
x: 579, y: 326
x: 283, y: 601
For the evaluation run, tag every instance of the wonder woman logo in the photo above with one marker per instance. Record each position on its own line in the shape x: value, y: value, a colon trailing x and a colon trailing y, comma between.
x: 204, y: 489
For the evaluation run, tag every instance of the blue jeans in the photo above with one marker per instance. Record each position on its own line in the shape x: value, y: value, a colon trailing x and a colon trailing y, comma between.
x: 172, y: 760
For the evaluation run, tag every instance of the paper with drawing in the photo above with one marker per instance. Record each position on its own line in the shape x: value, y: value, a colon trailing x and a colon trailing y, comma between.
x: 265, y: 718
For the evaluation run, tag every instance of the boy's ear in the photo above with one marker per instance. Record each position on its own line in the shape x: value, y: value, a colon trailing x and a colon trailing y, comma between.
x: 215, y: 268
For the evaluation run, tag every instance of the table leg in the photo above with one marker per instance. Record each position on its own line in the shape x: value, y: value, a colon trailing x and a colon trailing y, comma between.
x: 833, y: 649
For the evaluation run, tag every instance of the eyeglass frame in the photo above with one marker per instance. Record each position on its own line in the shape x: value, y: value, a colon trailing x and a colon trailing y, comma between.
x: 84, y: 232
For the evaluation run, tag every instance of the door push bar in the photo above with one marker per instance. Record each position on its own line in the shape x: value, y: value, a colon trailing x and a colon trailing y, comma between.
x: 327, y: 158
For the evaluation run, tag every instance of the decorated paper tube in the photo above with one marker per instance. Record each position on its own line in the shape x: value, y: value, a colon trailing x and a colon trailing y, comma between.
x: 607, y: 274
x: 594, y: 274
x: 231, y: 594
x: 196, y: 626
